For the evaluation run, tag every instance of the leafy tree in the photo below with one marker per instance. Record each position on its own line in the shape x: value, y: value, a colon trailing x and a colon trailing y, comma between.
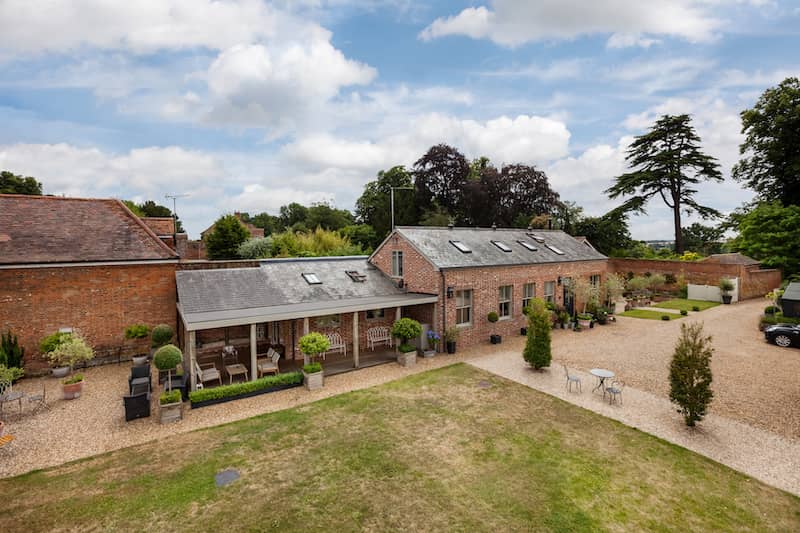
x: 769, y: 233
x: 373, y: 207
x: 667, y: 161
x: 324, y: 216
x: 257, y: 248
x: 609, y: 233
x: 690, y: 373
x: 436, y: 216
x: 440, y: 177
x: 771, y: 150
x: 130, y: 204
x: 152, y: 209
x: 312, y: 344
x: 362, y: 235
x: 224, y: 241
x: 705, y: 240
x: 292, y: 214
x: 11, y: 183
x: 537, y: 345
x: 269, y: 223
x: 166, y: 359
x: 566, y: 215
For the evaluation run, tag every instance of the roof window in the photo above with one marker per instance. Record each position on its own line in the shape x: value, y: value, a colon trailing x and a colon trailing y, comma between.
x: 554, y: 249
x: 356, y: 276
x: 535, y: 237
x: 463, y: 248
x: 528, y: 246
x: 311, y: 279
x: 502, y: 246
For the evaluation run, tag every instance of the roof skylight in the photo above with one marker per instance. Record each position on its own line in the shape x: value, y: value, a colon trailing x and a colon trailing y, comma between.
x: 535, y: 237
x: 554, y: 249
x: 502, y: 246
x: 356, y: 276
x: 463, y: 248
x: 528, y: 245
x: 311, y: 278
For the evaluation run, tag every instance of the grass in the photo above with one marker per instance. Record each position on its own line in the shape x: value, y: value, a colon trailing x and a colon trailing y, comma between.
x: 650, y: 315
x: 450, y: 449
x: 681, y: 304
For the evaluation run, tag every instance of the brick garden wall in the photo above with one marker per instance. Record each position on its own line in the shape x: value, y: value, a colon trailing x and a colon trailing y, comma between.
x: 100, y: 301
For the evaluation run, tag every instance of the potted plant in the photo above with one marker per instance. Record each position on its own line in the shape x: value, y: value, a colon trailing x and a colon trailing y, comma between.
x: 450, y: 338
x: 167, y: 358
x: 406, y: 329
x: 563, y: 318
x: 171, y: 406
x: 160, y: 336
x: 69, y: 353
x: 48, y: 345
x: 584, y: 320
x: 134, y: 335
x: 72, y: 387
x: 312, y: 344
x: 726, y: 286
x: 493, y: 317
x: 433, y: 343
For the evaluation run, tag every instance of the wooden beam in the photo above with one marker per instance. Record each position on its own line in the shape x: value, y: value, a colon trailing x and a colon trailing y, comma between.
x: 253, y: 353
x: 355, y: 339
x: 191, y: 345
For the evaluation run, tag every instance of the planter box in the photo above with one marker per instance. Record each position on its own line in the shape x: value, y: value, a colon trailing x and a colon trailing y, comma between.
x: 407, y: 359
x: 313, y: 381
x: 495, y: 339
x: 73, y: 390
x: 428, y: 353
x: 215, y: 401
x: 451, y: 347
x: 523, y: 331
x: 726, y: 298
x: 171, y: 412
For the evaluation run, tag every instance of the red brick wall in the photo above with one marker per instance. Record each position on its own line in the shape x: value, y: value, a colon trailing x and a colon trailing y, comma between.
x: 419, y: 274
x: 100, y: 301
x: 756, y: 283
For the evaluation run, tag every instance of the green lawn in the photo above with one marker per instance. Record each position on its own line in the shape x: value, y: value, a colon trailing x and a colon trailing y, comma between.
x: 681, y: 304
x: 453, y: 449
x: 650, y: 315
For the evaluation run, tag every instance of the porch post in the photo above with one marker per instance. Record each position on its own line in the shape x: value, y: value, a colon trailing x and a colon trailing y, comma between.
x: 192, y: 376
x: 306, y: 360
x: 434, y: 319
x: 356, y: 340
x: 253, y: 353
x: 397, y: 314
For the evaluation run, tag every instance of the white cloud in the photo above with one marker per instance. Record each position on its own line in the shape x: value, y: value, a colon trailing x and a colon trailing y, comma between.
x: 257, y: 198
x: 596, y: 165
x: 557, y: 70
x: 659, y: 74
x: 515, y: 22
x: 759, y: 78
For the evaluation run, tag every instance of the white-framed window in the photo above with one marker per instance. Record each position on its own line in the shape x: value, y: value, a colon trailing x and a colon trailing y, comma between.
x: 261, y: 332
x: 595, y: 280
x: 504, y: 294
x: 275, y: 333
x: 528, y: 294
x: 311, y: 278
x: 397, y: 263
x: 550, y: 291
x: 328, y: 321
x: 464, y: 307
x: 373, y: 314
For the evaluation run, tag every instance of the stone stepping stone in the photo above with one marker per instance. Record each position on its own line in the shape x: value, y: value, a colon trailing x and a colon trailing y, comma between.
x: 226, y: 477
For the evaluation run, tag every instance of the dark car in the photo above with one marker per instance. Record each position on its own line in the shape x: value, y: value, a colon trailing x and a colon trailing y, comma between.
x: 784, y: 334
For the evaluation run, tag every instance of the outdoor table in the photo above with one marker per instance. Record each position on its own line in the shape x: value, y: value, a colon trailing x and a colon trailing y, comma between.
x: 235, y: 370
x: 601, y: 374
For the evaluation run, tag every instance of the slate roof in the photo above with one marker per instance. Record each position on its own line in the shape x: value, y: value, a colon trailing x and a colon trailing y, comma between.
x: 435, y: 244
x: 53, y: 229
x: 731, y: 259
x: 792, y: 292
x: 277, y: 289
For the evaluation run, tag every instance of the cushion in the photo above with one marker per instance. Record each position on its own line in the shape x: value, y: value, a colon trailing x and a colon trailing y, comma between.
x: 275, y: 357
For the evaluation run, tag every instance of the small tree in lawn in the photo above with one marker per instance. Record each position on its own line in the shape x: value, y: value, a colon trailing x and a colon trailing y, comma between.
x: 312, y: 344
x: 406, y: 329
x: 166, y: 359
x: 690, y: 373
x: 537, y: 347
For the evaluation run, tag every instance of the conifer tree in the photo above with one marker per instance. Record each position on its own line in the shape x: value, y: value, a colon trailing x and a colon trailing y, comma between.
x: 690, y: 373
x: 537, y: 347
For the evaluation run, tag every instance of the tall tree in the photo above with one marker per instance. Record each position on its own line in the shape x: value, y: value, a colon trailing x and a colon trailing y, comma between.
x: 705, y: 240
x: 325, y: 216
x: 609, y: 233
x: 667, y: 161
x: 373, y: 207
x: 152, y: 209
x: 224, y: 241
x: 11, y: 183
x: 690, y: 373
x: 770, y: 233
x: 771, y: 150
x: 440, y: 177
x: 293, y: 214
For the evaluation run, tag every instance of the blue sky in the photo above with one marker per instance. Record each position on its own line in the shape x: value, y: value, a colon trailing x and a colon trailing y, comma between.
x: 248, y: 105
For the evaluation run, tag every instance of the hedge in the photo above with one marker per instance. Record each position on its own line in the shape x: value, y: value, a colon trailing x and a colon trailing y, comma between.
x: 225, y: 391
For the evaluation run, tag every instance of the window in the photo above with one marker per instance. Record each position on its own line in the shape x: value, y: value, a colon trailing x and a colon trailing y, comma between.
x: 356, y: 276
x: 261, y: 332
x: 463, y: 248
x: 275, y: 333
x: 502, y: 246
x: 528, y: 245
x: 464, y: 307
x: 550, y: 291
x: 397, y: 264
x: 554, y: 249
x: 535, y: 237
x: 328, y: 321
x: 373, y: 314
x: 595, y: 280
x: 528, y: 293
x: 311, y: 279
x: 504, y: 301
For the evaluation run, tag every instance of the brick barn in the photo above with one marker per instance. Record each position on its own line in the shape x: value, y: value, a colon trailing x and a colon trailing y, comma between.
x: 85, y: 264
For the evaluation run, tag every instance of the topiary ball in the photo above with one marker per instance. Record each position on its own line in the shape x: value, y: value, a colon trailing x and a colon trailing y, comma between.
x: 162, y: 334
x: 167, y: 357
x: 493, y: 317
x: 664, y: 317
x: 684, y: 312
x: 696, y: 308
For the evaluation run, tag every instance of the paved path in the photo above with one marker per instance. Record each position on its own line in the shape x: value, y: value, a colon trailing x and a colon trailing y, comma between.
x: 768, y: 457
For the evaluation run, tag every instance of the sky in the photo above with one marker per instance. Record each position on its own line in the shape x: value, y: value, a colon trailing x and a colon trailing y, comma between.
x: 247, y: 105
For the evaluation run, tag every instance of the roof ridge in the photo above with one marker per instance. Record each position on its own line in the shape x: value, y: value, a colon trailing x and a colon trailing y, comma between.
x: 56, y: 197
x: 313, y: 259
x: 139, y: 222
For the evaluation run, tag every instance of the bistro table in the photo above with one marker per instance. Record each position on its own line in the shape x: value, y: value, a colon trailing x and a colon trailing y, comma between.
x: 602, y: 375
x: 235, y: 370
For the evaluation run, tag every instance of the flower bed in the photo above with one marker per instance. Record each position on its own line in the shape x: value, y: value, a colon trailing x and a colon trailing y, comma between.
x: 226, y: 393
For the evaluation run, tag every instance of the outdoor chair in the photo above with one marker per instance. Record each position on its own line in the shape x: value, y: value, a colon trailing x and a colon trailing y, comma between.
x: 614, y: 391
x: 8, y: 395
x: 137, y: 406
x: 140, y: 375
x: 571, y: 379
x: 337, y: 345
x: 39, y: 400
x: 269, y: 364
x: 207, y: 372
x: 378, y: 335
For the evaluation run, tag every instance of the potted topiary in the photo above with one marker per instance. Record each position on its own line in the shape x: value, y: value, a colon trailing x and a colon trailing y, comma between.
x: 160, y: 336
x: 726, y: 286
x: 493, y: 317
x: 48, y: 345
x: 72, y: 387
x: 406, y: 329
x: 433, y: 343
x: 167, y: 358
x: 584, y: 320
x: 312, y: 344
x: 450, y: 338
x: 135, y: 334
x: 563, y: 319
x: 70, y: 352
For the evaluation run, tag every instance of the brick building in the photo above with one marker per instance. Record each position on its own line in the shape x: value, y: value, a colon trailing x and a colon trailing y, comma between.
x: 86, y: 264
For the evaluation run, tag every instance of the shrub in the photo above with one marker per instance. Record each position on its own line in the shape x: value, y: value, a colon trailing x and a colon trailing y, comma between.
x: 312, y: 344
x: 725, y: 285
x: 683, y: 291
x: 258, y: 248
x: 167, y: 357
x: 537, y: 345
x: 696, y: 308
x: 684, y: 312
x: 77, y: 378
x: 638, y: 283
x: 690, y: 373
x: 162, y: 335
x: 406, y: 329
x: 771, y: 310
x: 137, y: 331
x: 406, y: 348
x: 167, y: 397
x: 226, y: 391
x: 451, y: 334
x: 11, y: 353
x: 312, y: 368
x: 11, y: 374
x: 51, y: 342
x: 584, y: 316
x: 670, y: 279
x: 493, y: 317
x: 71, y: 351
x: 664, y: 317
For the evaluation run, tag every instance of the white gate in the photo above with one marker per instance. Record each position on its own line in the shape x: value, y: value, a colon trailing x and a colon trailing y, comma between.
x: 711, y: 293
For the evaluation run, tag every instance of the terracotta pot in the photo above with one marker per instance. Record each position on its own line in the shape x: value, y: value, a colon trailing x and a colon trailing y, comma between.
x: 73, y: 390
